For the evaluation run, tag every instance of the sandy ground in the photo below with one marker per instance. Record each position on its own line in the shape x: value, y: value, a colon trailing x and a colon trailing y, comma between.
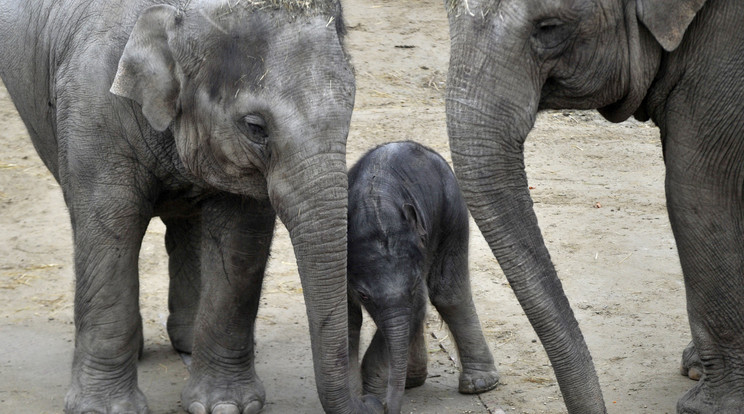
x: 598, y: 190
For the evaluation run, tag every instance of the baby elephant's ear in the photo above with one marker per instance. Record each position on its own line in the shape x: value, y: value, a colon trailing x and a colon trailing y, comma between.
x: 409, y: 212
x: 147, y: 69
x: 667, y: 20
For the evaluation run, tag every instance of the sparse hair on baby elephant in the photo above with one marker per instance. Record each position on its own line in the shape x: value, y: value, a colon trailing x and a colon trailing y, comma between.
x: 408, y: 235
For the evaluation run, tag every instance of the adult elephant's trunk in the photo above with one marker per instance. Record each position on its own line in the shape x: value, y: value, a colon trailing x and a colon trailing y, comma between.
x: 309, y: 193
x: 488, y: 119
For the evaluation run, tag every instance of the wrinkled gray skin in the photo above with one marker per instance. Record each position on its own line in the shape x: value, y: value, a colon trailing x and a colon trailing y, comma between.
x: 678, y: 62
x: 221, y: 118
x: 408, y: 235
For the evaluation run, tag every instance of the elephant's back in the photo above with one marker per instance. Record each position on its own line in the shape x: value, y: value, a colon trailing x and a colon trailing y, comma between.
x: 407, y: 172
x: 55, y: 55
x: 405, y: 162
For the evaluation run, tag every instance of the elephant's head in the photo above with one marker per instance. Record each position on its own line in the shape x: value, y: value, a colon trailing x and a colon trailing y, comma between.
x: 258, y: 96
x: 510, y: 58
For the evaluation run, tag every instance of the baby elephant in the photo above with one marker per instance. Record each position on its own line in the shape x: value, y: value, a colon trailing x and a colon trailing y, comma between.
x: 408, y: 235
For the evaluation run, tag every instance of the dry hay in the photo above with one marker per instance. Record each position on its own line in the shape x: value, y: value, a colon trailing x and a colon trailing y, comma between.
x: 463, y: 6
x: 14, y: 280
x: 294, y: 7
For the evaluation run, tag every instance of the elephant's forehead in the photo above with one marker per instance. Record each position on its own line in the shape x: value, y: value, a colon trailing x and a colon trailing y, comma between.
x: 485, y: 7
x: 259, y: 51
x: 294, y: 7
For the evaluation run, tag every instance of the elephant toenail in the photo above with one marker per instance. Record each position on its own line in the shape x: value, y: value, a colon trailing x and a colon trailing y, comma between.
x: 253, y: 408
x: 197, y: 408
x: 225, y: 408
x: 187, y: 359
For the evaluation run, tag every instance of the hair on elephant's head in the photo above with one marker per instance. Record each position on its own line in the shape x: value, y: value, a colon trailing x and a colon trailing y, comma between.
x: 241, y: 84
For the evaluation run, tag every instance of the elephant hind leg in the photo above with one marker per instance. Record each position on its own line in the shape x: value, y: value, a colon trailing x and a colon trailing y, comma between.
x: 449, y: 292
x: 182, y: 242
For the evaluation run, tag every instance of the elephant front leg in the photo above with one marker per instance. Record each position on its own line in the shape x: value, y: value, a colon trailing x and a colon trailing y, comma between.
x: 236, y: 238
x: 708, y: 226
x: 183, y: 243
x: 108, y: 325
x: 418, y: 355
x: 375, y: 367
x: 355, y: 327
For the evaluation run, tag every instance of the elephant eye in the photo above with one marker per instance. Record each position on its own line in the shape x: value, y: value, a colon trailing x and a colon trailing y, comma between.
x: 551, y: 33
x: 363, y: 297
x: 254, y: 127
x: 549, y: 25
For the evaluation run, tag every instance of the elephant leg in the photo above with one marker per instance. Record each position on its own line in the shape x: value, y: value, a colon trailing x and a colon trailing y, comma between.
x: 376, y: 367
x: 235, y: 244
x: 704, y: 205
x: 183, y: 241
x: 355, y: 326
x: 108, y: 227
x: 691, y: 366
x: 417, y: 353
x: 376, y: 362
x: 449, y: 292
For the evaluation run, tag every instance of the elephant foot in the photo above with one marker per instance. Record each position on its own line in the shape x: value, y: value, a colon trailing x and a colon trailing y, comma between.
x: 181, y: 333
x: 478, y: 379
x: 417, y: 372
x: 187, y: 360
x: 371, y: 405
x: 415, y: 381
x: 691, y: 366
x: 105, y: 403
x: 226, y: 396
x: 701, y: 400
x: 416, y: 377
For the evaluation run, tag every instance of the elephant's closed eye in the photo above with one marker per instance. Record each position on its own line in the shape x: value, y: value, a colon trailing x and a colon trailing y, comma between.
x: 551, y: 33
x: 253, y: 126
x: 549, y: 25
x: 363, y: 297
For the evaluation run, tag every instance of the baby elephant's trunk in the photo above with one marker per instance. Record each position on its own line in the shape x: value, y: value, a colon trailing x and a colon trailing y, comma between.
x: 396, y: 331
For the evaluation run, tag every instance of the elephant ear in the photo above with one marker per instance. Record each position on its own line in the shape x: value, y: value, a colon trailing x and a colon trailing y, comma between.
x: 667, y: 20
x: 147, y: 68
x: 412, y: 217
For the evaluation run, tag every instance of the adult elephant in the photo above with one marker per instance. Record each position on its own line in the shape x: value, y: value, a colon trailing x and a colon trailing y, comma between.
x: 678, y: 62
x: 222, y: 117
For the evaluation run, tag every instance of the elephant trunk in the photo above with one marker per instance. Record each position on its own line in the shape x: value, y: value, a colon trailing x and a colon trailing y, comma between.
x: 309, y: 193
x: 396, y: 331
x: 488, y: 119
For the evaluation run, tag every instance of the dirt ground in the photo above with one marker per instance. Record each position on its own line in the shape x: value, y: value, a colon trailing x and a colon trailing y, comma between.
x: 598, y: 191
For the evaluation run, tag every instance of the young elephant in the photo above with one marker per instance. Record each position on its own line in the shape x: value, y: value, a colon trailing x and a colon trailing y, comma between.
x: 408, y: 234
